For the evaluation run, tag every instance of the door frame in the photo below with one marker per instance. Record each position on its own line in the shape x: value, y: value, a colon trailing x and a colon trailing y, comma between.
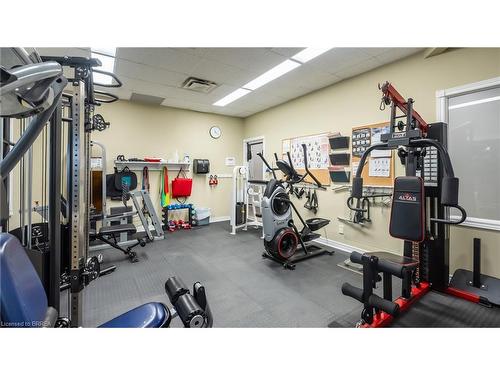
x: 253, y: 139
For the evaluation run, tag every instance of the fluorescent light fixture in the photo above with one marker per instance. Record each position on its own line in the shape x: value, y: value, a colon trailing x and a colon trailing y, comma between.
x: 236, y: 94
x: 276, y: 72
x: 309, y: 53
x: 474, y: 102
x: 108, y: 65
x: 271, y: 74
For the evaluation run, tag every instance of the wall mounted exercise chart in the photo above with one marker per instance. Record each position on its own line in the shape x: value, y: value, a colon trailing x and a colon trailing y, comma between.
x: 318, y: 149
x: 380, y: 168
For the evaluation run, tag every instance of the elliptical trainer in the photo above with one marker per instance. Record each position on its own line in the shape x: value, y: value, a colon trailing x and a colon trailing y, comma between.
x: 281, y: 236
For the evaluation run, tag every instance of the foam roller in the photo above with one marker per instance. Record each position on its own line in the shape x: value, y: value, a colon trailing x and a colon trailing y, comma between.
x: 190, y: 312
x: 175, y: 288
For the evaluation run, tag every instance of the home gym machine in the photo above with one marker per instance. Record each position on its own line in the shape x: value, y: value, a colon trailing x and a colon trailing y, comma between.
x: 420, y: 216
x: 281, y: 236
x: 35, y: 88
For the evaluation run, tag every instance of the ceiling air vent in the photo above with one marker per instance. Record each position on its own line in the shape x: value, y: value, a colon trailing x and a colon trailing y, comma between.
x: 199, y: 85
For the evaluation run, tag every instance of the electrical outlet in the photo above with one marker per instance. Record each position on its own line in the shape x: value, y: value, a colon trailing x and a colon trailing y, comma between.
x: 341, y: 228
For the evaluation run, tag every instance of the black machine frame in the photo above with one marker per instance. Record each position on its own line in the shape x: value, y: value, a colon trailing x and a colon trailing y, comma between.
x: 424, y: 265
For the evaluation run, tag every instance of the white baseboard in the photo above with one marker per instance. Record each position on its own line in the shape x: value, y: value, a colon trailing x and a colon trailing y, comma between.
x: 339, y: 245
x: 218, y: 219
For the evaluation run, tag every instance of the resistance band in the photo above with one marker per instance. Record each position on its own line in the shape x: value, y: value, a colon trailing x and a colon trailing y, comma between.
x: 164, y: 193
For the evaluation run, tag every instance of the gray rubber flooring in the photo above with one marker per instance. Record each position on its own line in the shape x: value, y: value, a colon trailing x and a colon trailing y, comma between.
x: 243, y: 289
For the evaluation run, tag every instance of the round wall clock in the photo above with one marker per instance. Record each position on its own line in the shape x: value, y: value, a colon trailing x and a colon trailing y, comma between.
x: 215, y: 132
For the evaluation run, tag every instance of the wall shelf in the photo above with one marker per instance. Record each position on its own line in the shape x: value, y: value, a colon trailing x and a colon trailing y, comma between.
x: 139, y: 165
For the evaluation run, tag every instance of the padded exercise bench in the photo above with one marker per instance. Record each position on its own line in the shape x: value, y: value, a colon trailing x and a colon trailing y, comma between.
x: 111, y: 234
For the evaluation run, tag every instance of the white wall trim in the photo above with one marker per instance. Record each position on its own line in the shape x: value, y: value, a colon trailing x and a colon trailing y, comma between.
x: 218, y: 219
x: 339, y: 245
x: 476, y: 222
x: 469, y: 88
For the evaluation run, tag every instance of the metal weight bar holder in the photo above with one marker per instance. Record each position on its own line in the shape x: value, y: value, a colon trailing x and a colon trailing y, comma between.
x: 79, y: 101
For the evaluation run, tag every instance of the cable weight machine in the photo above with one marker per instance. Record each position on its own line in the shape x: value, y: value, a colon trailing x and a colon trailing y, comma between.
x: 419, y: 216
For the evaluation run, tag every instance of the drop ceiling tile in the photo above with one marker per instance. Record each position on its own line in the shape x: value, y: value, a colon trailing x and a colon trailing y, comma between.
x: 337, y: 59
x: 375, y: 51
x: 174, y: 60
x: 394, y: 54
x: 362, y: 67
x: 310, y: 77
x: 143, y: 87
x: 287, y: 52
x: 222, y: 73
x: 200, y: 52
x: 257, y: 60
x: 177, y: 103
x: 161, y: 71
x: 148, y: 73
x: 259, y: 98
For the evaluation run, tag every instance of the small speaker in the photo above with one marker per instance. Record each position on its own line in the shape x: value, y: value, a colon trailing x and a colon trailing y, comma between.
x: 201, y: 166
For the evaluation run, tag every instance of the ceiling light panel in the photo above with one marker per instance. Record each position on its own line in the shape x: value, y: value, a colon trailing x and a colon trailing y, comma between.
x: 272, y: 74
x: 232, y: 97
x: 309, y: 53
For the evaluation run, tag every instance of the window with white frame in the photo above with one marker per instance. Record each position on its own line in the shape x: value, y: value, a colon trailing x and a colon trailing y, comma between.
x: 473, y: 116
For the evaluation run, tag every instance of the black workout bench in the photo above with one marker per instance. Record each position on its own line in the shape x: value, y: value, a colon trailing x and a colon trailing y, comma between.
x: 110, y: 235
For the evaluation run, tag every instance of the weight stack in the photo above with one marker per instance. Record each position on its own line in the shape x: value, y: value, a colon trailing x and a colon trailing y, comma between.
x: 241, y: 213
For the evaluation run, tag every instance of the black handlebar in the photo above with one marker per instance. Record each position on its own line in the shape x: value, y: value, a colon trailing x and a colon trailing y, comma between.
x: 104, y: 94
x: 110, y: 74
x: 318, y: 183
x: 449, y: 187
x: 259, y: 154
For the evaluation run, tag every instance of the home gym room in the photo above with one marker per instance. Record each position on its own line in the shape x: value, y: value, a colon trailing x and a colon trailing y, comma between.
x: 219, y: 187
x: 315, y: 182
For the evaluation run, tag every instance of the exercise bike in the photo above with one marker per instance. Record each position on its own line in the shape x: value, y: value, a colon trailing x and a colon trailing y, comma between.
x: 281, y: 235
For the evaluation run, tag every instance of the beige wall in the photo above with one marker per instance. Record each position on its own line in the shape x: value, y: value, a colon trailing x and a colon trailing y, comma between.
x: 355, y: 102
x: 143, y: 130
x: 139, y: 130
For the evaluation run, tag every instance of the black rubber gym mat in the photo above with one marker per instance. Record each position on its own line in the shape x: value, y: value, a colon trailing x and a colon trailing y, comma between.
x: 441, y: 310
x: 244, y: 290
